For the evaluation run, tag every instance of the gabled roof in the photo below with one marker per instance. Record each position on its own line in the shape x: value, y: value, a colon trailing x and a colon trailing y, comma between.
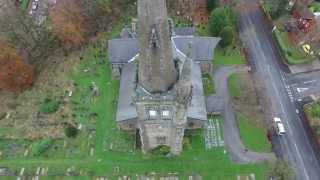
x: 184, y: 31
x: 199, y: 48
x: 122, y: 50
x: 126, y: 107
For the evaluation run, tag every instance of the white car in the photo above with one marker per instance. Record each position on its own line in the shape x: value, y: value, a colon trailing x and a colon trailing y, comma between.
x: 279, y: 126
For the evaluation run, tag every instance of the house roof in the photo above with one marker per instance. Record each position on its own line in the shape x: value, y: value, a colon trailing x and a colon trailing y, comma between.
x: 198, y: 48
x: 122, y: 50
x: 126, y: 108
x: 184, y: 31
x: 197, y: 108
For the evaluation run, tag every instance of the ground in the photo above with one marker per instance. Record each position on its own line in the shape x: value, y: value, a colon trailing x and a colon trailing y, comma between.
x: 249, y: 114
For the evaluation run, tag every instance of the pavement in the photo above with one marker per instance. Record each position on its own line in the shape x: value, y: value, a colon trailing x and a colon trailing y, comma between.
x: 296, y: 146
x: 233, y: 143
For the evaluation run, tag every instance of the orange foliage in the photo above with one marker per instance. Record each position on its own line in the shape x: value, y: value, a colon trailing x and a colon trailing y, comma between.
x: 15, y: 75
x: 68, y: 22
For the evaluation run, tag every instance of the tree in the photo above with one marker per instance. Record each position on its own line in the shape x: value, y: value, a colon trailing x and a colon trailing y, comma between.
x: 69, y: 25
x: 14, y: 73
x: 211, y: 4
x: 21, y: 30
x: 220, y: 18
x: 281, y: 170
x: 276, y: 7
x: 227, y: 36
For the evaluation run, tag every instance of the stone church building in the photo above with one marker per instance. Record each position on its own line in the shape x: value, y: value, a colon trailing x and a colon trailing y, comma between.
x: 161, y: 91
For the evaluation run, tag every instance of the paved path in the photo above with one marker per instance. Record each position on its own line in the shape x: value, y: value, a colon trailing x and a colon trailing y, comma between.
x: 232, y: 139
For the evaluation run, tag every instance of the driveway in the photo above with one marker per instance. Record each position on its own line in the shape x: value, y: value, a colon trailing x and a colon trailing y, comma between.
x: 237, y: 150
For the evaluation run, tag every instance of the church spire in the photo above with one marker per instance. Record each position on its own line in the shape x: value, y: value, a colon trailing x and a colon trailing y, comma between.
x: 157, y: 71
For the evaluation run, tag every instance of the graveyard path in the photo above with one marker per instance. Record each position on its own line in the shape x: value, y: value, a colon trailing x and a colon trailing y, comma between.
x: 232, y: 139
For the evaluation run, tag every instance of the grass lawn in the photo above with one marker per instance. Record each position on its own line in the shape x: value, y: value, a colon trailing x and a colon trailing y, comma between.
x: 234, y: 88
x: 228, y: 56
x: 253, y: 136
x: 208, y: 84
x: 291, y: 52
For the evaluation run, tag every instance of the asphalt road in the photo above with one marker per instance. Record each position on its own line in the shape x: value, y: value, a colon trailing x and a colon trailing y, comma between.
x: 295, y: 145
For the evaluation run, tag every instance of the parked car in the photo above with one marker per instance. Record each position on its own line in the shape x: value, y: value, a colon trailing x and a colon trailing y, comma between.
x: 279, y: 126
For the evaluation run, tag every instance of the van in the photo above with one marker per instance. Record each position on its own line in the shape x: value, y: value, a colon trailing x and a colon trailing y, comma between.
x: 279, y: 126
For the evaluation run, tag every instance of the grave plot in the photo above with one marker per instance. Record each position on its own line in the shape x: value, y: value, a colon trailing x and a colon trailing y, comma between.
x: 214, y: 133
x: 246, y: 177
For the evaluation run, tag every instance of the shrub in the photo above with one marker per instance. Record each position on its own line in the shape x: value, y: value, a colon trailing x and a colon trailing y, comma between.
x: 186, y: 143
x: 276, y: 7
x: 71, y: 131
x: 49, y: 106
x: 161, y: 150
x: 41, y: 146
x: 220, y: 18
x: 227, y: 36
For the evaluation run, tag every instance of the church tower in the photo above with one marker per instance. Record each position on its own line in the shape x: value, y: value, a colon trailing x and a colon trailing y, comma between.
x: 157, y: 71
x: 162, y: 95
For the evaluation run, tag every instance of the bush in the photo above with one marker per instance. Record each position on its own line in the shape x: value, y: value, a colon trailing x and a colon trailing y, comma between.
x: 186, y: 143
x: 41, y: 146
x: 220, y: 18
x: 49, y: 106
x: 227, y: 36
x: 161, y: 150
x: 315, y: 110
x: 71, y: 131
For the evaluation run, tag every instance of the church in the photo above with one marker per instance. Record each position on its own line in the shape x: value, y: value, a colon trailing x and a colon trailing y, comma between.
x: 160, y: 69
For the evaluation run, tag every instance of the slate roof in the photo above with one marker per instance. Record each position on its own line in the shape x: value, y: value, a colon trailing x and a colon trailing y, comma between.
x: 126, y: 108
x: 197, y: 107
x: 197, y: 48
x: 184, y: 31
x: 122, y: 50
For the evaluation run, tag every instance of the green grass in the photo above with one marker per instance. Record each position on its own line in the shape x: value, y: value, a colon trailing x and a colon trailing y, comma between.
x: 208, y: 85
x: 24, y: 4
x: 228, y: 56
x: 292, y: 53
x: 253, y: 137
x: 233, y: 85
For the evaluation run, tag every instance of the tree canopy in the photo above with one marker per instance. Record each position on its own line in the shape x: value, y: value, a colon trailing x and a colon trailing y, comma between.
x: 227, y: 36
x: 15, y: 75
x: 220, y: 18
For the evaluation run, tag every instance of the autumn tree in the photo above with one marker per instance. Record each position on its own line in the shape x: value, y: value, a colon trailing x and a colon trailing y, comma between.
x: 14, y: 73
x: 21, y: 30
x: 69, y: 25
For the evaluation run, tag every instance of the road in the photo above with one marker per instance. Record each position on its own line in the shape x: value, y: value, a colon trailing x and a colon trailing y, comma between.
x: 233, y: 142
x: 295, y: 146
